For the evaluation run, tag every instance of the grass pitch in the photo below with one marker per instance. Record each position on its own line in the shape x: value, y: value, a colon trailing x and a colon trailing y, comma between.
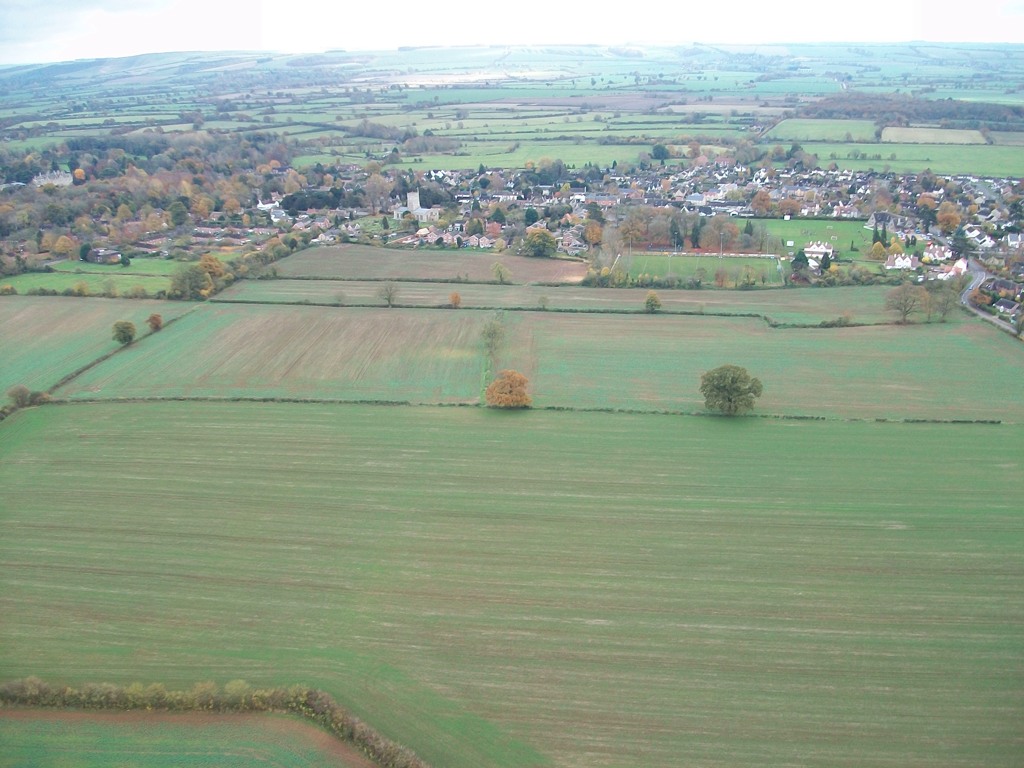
x: 525, y: 589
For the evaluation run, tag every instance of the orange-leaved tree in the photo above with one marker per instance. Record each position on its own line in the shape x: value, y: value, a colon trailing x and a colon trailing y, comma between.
x: 508, y: 391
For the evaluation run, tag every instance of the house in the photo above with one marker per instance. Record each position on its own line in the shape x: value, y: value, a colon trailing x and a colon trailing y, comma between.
x: 949, y: 271
x: 977, y: 236
x: 937, y: 252
x: 817, y: 251
x: 103, y: 256
x: 1006, y: 307
x: 902, y: 261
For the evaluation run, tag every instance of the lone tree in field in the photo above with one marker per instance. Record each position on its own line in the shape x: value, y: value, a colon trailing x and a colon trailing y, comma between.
x: 652, y: 303
x: 388, y: 293
x: 508, y: 391
x: 124, y: 332
x: 729, y: 389
x: 905, y: 300
x: 155, y: 322
x: 455, y: 300
x: 501, y: 272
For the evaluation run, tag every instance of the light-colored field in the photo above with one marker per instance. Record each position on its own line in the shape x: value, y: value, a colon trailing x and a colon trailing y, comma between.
x: 909, y: 135
x: 987, y: 160
x: 229, y: 350
x: 43, y: 339
x: 498, y: 589
x: 811, y: 305
x: 139, y: 266
x: 796, y: 129
x: 46, y: 739
x: 362, y: 262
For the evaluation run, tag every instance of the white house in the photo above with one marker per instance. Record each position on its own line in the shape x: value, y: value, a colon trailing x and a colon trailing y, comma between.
x: 902, y: 261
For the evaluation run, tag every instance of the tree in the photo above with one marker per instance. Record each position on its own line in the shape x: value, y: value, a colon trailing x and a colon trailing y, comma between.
x: 501, y: 272
x: 540, y: 244
x: 652, y: 303
x: 905, y: 300
x: 530, y: 216
x: 508, y: 391
x: 455, y: 300
x: 155, y: 322
x: 64, y: 245
x: 178, y: 212
x: 190, y: 283
x: 20, y: 395
x: 948, y: 218
x: 388, y: 293
x: 592, y: 233
x: 730, y: 389
x: 660, y: 152
x: 498, y: 216
x: 124, y: 332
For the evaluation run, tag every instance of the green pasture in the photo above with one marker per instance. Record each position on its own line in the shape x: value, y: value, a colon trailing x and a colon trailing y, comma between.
x: 537, y: 588
x: 641, y: 362
x: 795, y: 129
x: 764, y: 271
x: 77, y: 740
x: 149, y: 266
x: 97, y: 283
x: 655, y: 363
x: 921, y: 135
x: 46, y: 338
x: 838, y: 233
x: 987, y: 160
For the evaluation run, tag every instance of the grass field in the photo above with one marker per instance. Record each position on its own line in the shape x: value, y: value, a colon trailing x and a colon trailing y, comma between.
x: 95, y: 283
x: 822, y: 130
x: 918, y: 135
x: 46, y: 338
x: 764, y: 271
x: 864, y: 304
x: 363, y: 262
x: 139, y: 266
x: 801, y: 232
x: 634, y: 362
x: 94, y: 740
x: 229, y: 350
x: 528, y: 589
x: 952, y: 159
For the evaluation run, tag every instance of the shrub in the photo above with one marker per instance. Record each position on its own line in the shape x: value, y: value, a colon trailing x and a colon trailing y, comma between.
x: 508, y: 391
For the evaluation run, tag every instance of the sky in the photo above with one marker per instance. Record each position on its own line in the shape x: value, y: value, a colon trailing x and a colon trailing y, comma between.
x: 35, y: 31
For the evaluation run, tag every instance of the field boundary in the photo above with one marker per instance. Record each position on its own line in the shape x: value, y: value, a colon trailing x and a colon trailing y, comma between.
x: 237, y: 696
x: 479, y: 404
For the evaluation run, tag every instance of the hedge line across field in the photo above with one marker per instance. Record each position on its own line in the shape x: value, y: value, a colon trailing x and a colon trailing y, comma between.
x: 236, y: 696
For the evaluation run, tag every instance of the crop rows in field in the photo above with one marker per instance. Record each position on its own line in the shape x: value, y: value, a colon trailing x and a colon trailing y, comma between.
x: 645, y: 362
x: 864, y: 304
x: 367, y: 262
x: 47, y: 338
x: 499, y: 589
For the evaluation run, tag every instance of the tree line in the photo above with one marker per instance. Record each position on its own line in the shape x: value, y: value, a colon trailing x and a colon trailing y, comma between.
x: 235, y: 696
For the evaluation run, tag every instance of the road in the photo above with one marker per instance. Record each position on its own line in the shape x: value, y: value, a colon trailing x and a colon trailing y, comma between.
x: 978, y: 275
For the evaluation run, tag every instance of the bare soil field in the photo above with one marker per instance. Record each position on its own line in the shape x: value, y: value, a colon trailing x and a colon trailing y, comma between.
x: 366, y: 262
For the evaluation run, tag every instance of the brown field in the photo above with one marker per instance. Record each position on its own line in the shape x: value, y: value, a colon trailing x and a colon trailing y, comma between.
x: 897, y: 135
x: 366, y: 262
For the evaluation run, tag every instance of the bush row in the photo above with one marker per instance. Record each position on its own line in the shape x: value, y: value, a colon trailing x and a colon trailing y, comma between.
x: 236, y: 696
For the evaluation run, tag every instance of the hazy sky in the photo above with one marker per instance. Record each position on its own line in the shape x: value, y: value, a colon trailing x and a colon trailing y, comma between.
x: 58, y: 30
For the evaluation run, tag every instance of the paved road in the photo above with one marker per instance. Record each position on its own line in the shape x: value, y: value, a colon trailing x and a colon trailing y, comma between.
x: 978, y: 275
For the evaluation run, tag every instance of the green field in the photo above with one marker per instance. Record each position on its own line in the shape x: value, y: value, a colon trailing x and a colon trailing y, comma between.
x: 795, y: 129
x: 529, y: 589
x: 95, y: 283
x: 44, y: 339
x: 79, y: 740
x: 864, y: 304
x: 764, y: 271
x: 952, y: 159
x: 918, y: 135
x: 139, y: 266
x: 650, y: 363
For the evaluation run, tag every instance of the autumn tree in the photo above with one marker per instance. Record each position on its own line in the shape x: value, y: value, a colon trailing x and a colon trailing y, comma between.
x: 455, y: 300
x: 539, y: 243
x: 948, y: 218
x: 652, y: 303
x: 124, y: 332
x: 730, y: 389
x: 155, y: 322
x: 63, y: 246
x: 508, y: 391
x: 592, y: 233
x: 191, y: 283
x: 905, y: 300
